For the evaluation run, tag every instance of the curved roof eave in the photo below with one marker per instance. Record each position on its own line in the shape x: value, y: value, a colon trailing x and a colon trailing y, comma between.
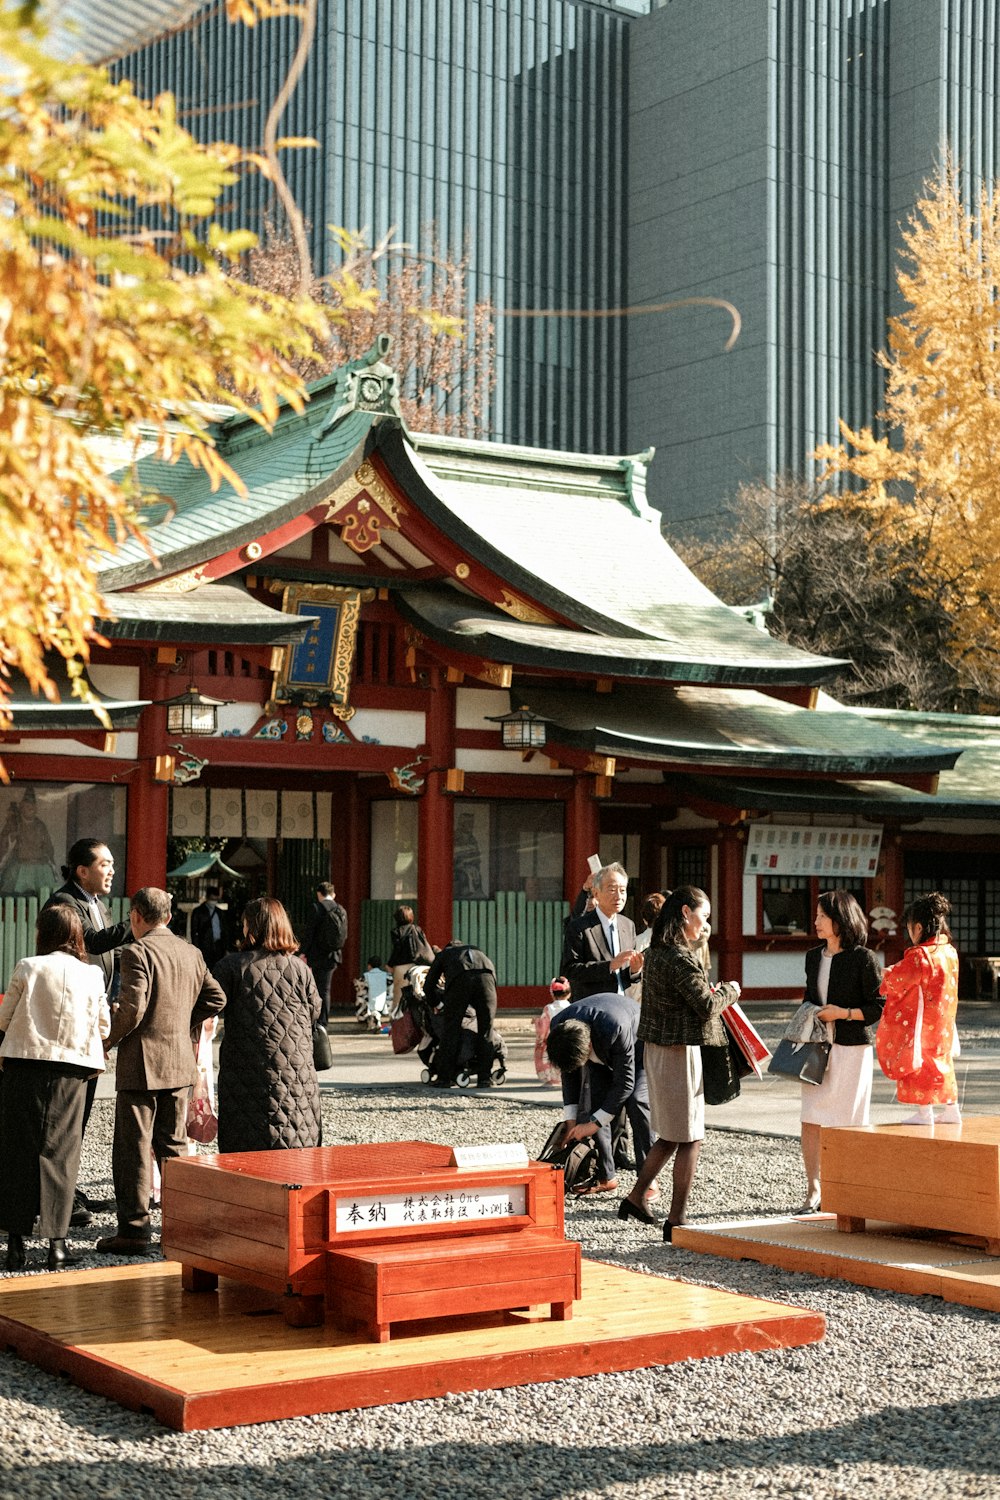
x: 594, y: 547
x: 467, y: 627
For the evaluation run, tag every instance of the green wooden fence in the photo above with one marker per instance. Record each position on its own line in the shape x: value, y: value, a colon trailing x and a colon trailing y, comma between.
x: 18, y: 915
x: 523, y: 938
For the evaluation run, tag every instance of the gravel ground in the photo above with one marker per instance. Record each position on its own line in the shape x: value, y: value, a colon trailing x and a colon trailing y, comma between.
x: 902, y: 1399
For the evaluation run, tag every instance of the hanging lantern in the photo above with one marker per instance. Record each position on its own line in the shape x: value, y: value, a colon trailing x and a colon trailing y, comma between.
x: 192, y: 713
x: 521, y: 729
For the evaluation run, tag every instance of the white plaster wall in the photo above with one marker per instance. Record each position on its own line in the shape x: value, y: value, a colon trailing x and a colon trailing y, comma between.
x: 506, y: 763
x: 389, y: 726
x: 474, y: 705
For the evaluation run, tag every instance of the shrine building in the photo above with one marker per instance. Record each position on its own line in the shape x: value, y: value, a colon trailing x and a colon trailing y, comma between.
x: 449, y: 671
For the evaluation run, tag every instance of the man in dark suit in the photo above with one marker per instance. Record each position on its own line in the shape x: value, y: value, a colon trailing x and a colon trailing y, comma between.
x: 325, y: 936
x: 166, y: 990
x: 211, y: 928
x: 89, y: 874
x: 599, y: 954
x: 468, y: 978
x: 594, y: 1044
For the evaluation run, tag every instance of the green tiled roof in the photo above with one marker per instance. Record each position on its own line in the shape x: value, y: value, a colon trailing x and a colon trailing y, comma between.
x: 30, y: 710
x: 727, y: 727
x: 217, y: 614
x: 469, y: 626
x: 285, y: 472
x: 574, y: 531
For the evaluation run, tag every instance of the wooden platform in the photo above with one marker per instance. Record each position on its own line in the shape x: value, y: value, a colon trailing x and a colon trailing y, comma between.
x: 225, y: 1359
x: 945, y: 1177
x: 913, y: 1261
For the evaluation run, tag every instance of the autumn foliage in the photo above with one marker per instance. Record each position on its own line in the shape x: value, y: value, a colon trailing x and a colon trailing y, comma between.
x: 108, y: 327
x: 933, y: 478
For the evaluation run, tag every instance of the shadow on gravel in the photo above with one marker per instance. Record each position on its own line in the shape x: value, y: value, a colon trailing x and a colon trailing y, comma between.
x: 917, y: 1440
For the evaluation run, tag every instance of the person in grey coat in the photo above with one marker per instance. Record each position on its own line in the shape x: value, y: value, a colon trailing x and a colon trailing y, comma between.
x: 268, y: 1092
x: 166, y: 991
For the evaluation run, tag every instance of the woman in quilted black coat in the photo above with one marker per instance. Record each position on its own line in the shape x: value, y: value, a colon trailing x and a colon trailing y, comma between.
x: 268, y: 1091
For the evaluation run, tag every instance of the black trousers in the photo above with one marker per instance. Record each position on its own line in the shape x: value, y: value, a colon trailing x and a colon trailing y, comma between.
x: 41, y: 1138
x: 597, y: 1081
x: 476, y: 988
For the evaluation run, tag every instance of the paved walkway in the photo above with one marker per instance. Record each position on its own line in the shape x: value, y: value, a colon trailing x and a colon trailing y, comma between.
x: 363, y: 1060
x: 771, y: 1106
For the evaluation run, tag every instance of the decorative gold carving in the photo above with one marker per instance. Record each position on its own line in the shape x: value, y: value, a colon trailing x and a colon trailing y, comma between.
x: 600, y: 765
x: 522, y: 610
x: 178, y: 583
x: 361, y: 507
x: 495, y: 674
x: 318, y: 670
x: 462, y: 570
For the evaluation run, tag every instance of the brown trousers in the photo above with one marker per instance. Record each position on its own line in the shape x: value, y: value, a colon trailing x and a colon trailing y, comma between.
x: 148, y: 1123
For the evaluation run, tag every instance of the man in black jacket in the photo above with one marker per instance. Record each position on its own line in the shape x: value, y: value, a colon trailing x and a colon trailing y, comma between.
x: 468, y: 978
x: 89, y: 874
x: 211, y: 928
x: 594, y: 1043
x: 325, y: 936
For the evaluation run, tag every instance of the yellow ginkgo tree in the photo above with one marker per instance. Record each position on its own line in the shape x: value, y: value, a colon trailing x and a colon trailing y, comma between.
x: 118, y: 315
x: 935, y: 473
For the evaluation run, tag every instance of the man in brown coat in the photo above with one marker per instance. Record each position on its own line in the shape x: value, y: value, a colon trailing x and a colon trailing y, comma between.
x: 166, y: 990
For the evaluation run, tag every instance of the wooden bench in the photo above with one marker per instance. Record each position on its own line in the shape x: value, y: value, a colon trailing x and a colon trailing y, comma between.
x: 376, y: 1285
x: 945, y: 1178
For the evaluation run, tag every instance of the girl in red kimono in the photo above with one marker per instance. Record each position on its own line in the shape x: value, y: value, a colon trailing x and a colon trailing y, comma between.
x: 916, y: 1036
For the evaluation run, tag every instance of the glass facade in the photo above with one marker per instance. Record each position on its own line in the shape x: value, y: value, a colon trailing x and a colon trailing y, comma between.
x: 501, y: 125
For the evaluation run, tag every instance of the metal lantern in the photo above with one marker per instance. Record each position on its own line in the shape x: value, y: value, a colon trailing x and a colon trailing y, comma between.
x: 521, y: 729
x: 192, y: 713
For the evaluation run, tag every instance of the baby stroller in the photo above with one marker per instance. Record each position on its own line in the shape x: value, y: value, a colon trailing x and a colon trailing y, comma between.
x: 430, y: 1020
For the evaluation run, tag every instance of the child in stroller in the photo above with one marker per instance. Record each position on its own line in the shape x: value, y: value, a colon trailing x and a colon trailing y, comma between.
x: 429, y: 1019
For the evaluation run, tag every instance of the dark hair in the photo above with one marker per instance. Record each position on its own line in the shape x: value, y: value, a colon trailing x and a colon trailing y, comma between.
x: 402, y: 915
x: 568, y: 1045
x: 668, y: 929
x: 59, y: 930
x: 326, y: 888
x: 266, y: 925
x: 152, y: 904
x: 932, y: 911
x: 651, y: 905
x: 849, y: 921
x: 83, y: 852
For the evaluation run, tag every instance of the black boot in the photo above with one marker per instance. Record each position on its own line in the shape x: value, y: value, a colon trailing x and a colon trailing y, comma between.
x: 15, y: 1252
x: 58, y: 1256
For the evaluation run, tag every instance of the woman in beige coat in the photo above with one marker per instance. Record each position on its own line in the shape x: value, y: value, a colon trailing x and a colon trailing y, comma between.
x: 52, y: 1019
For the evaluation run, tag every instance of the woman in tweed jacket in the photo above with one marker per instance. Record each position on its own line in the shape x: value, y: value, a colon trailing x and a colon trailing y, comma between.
x: 680, y: 1012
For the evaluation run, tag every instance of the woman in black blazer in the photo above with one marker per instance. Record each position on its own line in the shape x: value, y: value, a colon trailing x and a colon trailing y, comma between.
x: 842, y: 981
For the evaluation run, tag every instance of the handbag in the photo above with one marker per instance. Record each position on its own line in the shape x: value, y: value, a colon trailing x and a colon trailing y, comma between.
x: 322, y: 1051
x: 805, y: 1061
x: 720, y: 1079
x: 404, y: 1032
x: 577, y: 1160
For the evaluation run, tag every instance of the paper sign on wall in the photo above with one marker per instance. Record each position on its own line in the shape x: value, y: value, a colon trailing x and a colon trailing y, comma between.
x: 783, y: 849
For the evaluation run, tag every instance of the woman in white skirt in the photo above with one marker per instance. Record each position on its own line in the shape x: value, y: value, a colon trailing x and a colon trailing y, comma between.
x: 681, y: 1011
x: 842, y: 981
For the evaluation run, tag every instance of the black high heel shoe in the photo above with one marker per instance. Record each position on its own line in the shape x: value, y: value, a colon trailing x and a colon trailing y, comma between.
x: 15, y: 1252
x: 59, y: 1257
x: 628, y: 1210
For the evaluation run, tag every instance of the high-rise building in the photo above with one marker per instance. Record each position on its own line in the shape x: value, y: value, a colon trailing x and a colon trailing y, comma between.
x: 501, y: 126
x: 775, y: 146
x: 591, y: 155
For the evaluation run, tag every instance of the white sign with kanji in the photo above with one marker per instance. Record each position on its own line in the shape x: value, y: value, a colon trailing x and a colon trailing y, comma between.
x: 452, y: 1206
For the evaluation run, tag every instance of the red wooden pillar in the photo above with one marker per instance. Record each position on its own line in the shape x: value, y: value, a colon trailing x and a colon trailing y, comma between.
x: 436, y: 827
x: 582, y: 833
x: 350, y: 866
x: 148, y: 800
x: 887, y: 890
x: 727, y: 917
